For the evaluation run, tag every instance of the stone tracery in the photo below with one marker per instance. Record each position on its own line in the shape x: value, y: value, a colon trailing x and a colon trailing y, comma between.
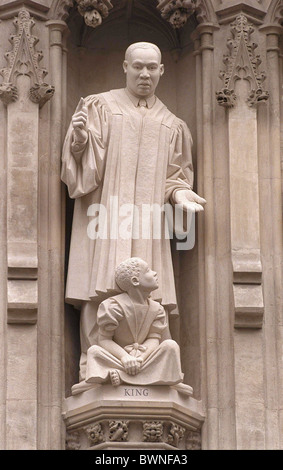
x: 242, y: 62
x: 24, y: 59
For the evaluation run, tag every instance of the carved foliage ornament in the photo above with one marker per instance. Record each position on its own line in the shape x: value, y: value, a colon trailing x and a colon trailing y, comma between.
x: 193, y: 441
x: 175, y: 435
x: 152, y: 431
x: 177, y: 12
x: 241, y: 63
x: 118, y: 431
x: 23, y: 59
x: 95, y: 434
x: 94, y: 11
x: 73, y: 441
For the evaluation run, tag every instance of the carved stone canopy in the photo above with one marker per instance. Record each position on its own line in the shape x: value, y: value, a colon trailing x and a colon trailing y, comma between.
x: 241, y: 63
x: 24, y: 59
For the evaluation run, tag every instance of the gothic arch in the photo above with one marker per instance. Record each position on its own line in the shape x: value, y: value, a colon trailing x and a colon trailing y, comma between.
x: 205, y: 12
x: 60, y: 9
x: 275, y: 13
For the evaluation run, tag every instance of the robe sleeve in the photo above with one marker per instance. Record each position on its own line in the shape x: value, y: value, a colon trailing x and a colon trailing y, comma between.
x: 85, y: 176
x: 180, y: 167
x: 158, y: 325
x: 109, y: 315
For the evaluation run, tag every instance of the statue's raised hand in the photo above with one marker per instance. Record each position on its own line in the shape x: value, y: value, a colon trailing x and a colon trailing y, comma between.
x: 79, y: 120
x: 189, y: 200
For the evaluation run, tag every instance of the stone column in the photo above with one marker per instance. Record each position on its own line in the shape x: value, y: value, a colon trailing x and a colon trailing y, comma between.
x: 271, y: 234
x: 217, y: 356
x: 206, y: 48
x: 52, y: 250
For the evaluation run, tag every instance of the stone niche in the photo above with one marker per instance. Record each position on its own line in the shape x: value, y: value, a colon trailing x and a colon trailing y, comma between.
x: 95, y: 58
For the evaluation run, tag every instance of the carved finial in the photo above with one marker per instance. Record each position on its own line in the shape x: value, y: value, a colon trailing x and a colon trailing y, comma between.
x: 241, y: 63
x: 94, y: 11
x: 23, y: 59
x: 177, y: 12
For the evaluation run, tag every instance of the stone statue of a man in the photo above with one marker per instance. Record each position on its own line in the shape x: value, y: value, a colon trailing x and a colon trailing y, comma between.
x: 124, y: 147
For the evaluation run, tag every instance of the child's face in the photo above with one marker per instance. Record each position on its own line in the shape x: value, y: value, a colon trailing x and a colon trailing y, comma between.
x: 148, y: 278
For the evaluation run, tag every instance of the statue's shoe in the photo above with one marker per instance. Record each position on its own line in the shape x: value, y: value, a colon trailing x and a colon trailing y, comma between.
x: 82, y: 387
x: 183, y: 388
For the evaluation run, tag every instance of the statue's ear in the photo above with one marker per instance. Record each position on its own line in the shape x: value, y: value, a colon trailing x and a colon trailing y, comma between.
x: 125, y: 66
x: 135, y: 281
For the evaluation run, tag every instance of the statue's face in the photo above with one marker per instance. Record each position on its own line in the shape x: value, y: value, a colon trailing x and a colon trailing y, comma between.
x: 147, y: 278
x: 143, y: 70
x: 93, y: 18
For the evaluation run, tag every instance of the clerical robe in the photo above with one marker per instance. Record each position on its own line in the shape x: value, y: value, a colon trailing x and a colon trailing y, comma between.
x: 128, y: 158
x: 130, y: 325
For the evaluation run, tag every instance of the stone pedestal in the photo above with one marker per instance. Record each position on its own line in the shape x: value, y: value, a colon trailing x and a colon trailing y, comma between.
x: 126, y: 417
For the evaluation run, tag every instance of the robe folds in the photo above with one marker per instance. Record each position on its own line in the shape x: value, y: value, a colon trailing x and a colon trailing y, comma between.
x: 130, y: 325
x: 128, y: 159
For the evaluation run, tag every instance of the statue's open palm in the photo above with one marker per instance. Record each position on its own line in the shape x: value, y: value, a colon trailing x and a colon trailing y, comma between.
x: 189, y: 200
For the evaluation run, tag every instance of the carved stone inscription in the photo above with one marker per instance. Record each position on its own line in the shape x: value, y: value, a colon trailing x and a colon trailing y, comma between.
x: 136, y: 392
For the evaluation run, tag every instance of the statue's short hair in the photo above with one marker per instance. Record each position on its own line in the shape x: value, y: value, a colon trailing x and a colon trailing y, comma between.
x: 126, y: 270
x: 142, y: 45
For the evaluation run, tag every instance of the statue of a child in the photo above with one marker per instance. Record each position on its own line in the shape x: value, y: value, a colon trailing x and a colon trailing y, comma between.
x: 130, y: 325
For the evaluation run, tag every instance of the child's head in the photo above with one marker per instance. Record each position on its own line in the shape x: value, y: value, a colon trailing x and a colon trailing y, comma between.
x: 134, y: 272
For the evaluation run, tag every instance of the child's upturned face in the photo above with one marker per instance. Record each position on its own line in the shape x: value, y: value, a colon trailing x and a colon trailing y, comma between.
x: 148, y: 278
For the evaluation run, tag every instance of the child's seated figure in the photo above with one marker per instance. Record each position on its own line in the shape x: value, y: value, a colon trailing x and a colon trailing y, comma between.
x: 130, y: 325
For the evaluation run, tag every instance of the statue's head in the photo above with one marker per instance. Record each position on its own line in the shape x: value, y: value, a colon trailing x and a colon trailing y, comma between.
x: 143, y: 68
x: 135, y: 273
